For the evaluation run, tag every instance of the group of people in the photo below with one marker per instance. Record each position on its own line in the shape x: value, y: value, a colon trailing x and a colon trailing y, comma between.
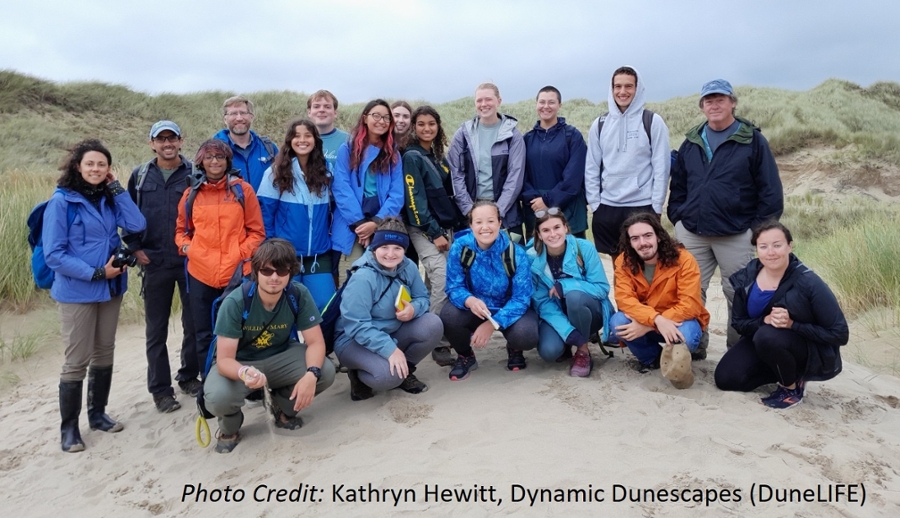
x: 496, y: 220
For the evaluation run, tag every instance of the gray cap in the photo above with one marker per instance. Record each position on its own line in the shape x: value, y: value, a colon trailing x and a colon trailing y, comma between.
x: 717, y: 86
x: 161, y: 126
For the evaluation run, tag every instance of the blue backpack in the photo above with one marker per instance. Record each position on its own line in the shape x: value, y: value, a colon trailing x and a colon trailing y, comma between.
x: 43, y: 275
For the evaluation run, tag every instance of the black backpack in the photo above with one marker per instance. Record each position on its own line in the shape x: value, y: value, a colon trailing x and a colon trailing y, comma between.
x: 332, y: 311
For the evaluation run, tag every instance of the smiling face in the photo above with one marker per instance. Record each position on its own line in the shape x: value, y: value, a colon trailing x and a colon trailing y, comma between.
x: 553, y: 233
x: 378, y: 121
x: 547, y: 108
x: 94, y: 167
x: 624, y: 87
x: 322, y: 112
x: 773, y: 249
x: 719, y: 110
x: 303, y: 142
x: 401, y: 119
x: 485, y: 225
x: 167, y: 145
x: 238, y: 118
x: 214, y: 165
x: 389, y: 256
x: 486, y: 104
x: 426, y: 130
x: 644, y: 241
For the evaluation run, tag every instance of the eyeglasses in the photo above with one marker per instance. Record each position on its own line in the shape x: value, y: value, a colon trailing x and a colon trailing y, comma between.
x: 220, y: 158
x: 552, y: 211
x: 171, y: 138
x: 282, y: 272
x: 377, y: 117
x: 238, y: 114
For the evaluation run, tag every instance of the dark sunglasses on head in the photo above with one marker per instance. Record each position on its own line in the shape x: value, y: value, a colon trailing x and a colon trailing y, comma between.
x: 552, y: 211
x: 282, y: 272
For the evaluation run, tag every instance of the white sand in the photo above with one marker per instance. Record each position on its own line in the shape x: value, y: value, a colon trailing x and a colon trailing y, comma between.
x: 538, y: 428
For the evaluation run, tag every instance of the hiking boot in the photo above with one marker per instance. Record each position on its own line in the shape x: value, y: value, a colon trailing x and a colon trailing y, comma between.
x: 463, y: 366
x: 226, y: 443
x: 783, y: 398
x: 190, y: 387
x: 359, y: 391
x: 582, y: 365
x: 166, y: 404
x: 412, y: 385
x: 699, y: 354
x: 442, y: 356
x: 516, y: 360
x: 282, y: 420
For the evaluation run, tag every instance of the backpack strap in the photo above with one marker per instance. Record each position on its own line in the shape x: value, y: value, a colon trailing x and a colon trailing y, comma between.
x: 270, y: 147
x: 580, y: 259
x: 467, y: 259
x: 141, y: 177
x: 236, y: 188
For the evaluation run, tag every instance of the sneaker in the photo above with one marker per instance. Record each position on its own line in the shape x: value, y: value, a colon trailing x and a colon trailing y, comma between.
x: 226, y: 443
x: 462, y: 367
x: 516, y: 360
x: 359, y: 391
x: 191, y: 387
x: 801, y: 387
x: 412, y: 385
x: 783, y: 398
x: 166, y: 404
x: 443, y: 356
x: 582, y: 365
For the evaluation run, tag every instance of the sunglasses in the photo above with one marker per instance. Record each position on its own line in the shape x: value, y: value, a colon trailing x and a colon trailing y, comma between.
x: 282, y: 272
x: 552, y: 211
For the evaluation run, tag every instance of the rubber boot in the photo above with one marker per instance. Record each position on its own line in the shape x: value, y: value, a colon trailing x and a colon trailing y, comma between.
x: 69, y: 409
x: 99, y: 382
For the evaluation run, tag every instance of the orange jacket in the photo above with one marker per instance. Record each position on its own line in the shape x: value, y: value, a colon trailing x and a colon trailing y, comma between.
x: 674, y: 293
x: 223, y: 232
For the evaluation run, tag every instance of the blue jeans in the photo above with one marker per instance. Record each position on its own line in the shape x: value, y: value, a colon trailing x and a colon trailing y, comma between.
x: 584, y: 312
x: 646, y: 348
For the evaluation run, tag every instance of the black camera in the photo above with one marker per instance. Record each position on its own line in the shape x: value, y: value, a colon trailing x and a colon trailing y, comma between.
x: 123, y: 257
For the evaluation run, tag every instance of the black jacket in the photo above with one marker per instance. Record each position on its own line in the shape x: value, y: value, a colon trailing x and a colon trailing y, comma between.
x: 815, y: 311
x: 159, y: 205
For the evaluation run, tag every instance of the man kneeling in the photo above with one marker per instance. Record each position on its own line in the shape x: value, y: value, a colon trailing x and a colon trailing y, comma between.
x: 258, y: 351
x: 658, y: 295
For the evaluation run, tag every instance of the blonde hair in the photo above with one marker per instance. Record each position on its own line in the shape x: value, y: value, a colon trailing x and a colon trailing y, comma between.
x: 487, y: 86
x: 237, y: 99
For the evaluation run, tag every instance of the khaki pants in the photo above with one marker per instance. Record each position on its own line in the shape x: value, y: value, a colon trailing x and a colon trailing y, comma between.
x: 435, y: 263
x: 89, y: 332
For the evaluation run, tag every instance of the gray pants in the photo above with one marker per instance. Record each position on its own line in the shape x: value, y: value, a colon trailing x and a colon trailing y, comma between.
x: 730, y: 254
x: 435, y: 263
x: 416, y: 338
x: 89, y: 332
x: 224, y: 397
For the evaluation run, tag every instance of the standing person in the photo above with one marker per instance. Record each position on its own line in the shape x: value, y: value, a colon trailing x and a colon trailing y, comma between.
x: 322, y: 109
x: 401, y: 112
x: 257, y: 351
x: 571, y: 293
x: 488, y: 283
x: 430, y: 210
x: 658, y: 295
x: 487, y: 160
x: 628, y: 161
x: 156, y: 187
x: 724, y: 182
x: 219, y: 227
x: 368, y: 181
x: 379, y: 343
x: 554, y: 166
x: 296, y: 205
x: 791, y: 325
x: 252, y: 154
x: 80, y: 235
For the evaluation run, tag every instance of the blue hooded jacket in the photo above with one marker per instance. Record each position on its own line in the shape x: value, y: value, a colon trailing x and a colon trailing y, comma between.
x: 256, y: 162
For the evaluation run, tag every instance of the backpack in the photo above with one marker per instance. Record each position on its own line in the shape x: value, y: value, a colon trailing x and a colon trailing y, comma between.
x: 194, y: 183
x: 270, y: 148
x: 139, y: 181
x: 332, y: 311
x: 467, y: 259
x: 43, y: 275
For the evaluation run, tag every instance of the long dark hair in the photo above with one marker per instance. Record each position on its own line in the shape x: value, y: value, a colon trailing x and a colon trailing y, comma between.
x: 70, y: 177
x: 440, y: 140
x: 359, y: 141
x: 316, y: 171
x: 667, y: 248
x: 538, y: 242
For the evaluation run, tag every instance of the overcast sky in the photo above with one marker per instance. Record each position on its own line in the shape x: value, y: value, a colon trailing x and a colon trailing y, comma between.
x: 440, y: 50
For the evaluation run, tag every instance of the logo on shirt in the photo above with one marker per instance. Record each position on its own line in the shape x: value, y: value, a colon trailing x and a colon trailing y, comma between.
x: 264, y: 340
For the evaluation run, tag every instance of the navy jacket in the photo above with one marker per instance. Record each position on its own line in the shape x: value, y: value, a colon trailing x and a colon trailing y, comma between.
x: 734, y: 191
x: 813, y: 307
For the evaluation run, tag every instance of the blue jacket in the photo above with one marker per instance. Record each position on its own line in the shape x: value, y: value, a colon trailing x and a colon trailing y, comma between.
x: 74, y: 253
x: 593, y: 282
x: 368, y: 320
x: 301, y: 217
x: 256, y: 162
x: 348, y: 187
x: 735, y: 190
x: 489, y: 279
x: 554, y: 171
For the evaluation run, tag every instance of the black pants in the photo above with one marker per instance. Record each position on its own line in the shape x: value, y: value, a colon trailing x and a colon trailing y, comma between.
x: 606, y: 225
x: 770, y: 355
x: 202, y: 298
x: 459, y: 324
x: 159, y: 287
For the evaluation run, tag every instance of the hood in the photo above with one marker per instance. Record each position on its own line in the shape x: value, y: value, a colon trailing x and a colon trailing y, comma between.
x: 637, y: 104
x: 507, y: 124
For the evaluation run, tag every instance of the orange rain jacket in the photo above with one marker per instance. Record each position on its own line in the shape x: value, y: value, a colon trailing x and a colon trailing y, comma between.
x: 674, y: 293
x: 223, y: 232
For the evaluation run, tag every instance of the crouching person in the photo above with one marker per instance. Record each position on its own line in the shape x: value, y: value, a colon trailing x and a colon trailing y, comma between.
x: 258, y: 351
x: 379, y: 343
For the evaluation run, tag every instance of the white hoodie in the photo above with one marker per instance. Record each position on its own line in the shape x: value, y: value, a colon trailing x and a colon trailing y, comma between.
x: 635, y: 173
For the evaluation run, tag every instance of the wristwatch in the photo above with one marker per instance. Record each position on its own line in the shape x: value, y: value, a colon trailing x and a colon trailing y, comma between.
x: 317, y: 372
x: 184, y: 249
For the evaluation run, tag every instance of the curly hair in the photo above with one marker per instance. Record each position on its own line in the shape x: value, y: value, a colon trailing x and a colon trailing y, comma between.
x: 71, y: 176
x: 359, y: 141
x: 439, y: 144
x: 667, y: 247
x: 316, y: 170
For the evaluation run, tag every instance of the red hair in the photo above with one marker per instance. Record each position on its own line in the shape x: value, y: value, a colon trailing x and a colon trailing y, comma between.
x: 359, y: 141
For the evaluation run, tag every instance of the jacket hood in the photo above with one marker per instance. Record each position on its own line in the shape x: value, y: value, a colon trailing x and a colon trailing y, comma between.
x: 637, y: 103
x: 507, y: 124
x: 744, y: 134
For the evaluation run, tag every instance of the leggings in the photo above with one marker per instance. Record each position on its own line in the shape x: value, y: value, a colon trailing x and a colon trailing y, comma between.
x: 768, y: 356
x: 459, y: 324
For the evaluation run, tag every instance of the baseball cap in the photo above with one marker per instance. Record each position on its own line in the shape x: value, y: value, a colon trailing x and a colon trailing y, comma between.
x: 716, y: 86
x: 161, y: 126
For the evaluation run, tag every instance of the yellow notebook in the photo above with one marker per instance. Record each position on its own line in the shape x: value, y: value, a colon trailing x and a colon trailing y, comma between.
x: 403, y: 298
